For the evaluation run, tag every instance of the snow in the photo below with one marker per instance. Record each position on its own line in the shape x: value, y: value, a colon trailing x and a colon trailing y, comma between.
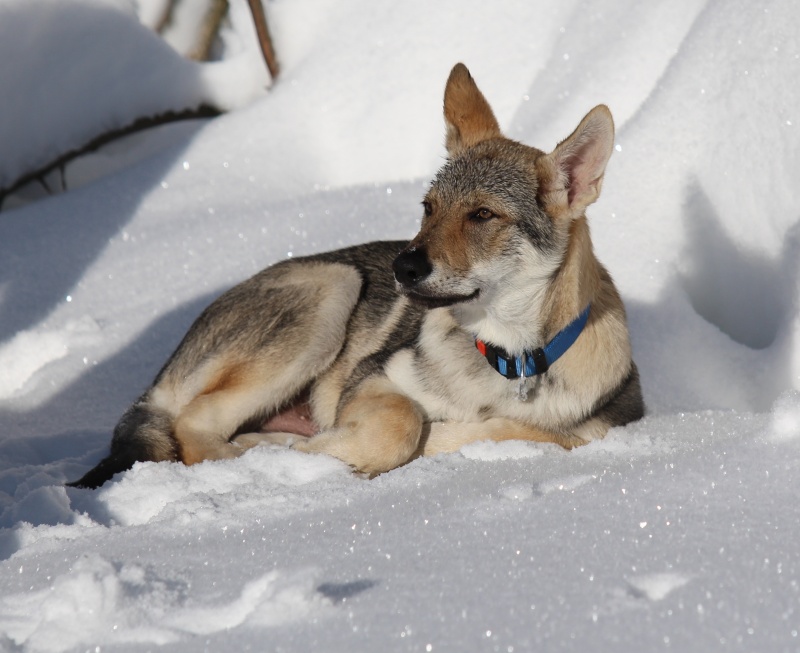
x: 113, y: 70
x: 678, y: 532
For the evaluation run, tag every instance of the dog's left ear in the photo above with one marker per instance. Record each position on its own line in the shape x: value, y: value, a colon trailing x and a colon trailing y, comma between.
x: 467, y: 114
x: 570, y: 177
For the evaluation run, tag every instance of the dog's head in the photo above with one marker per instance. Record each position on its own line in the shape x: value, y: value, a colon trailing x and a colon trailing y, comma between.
x: 498, y: 212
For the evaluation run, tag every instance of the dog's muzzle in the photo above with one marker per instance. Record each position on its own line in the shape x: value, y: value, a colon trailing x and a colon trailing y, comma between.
x: 411, y: 267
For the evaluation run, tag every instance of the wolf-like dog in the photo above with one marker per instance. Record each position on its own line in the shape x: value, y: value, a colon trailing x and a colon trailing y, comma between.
x: 496, y: 322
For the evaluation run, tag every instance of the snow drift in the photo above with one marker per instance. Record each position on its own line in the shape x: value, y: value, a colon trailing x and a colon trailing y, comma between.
x: 677, y: 532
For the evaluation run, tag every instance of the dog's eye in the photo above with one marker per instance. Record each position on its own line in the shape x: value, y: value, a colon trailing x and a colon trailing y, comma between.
x: 426, y: 206
x: 483, y: 214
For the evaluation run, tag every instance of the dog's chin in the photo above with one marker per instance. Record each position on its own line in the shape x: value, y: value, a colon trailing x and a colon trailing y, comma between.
x: 439, y: 301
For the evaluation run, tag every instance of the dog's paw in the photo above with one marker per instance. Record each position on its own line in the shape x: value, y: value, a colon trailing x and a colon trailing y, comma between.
x: 320, y: 443
x: 336, y: 443
x: 249, y: 440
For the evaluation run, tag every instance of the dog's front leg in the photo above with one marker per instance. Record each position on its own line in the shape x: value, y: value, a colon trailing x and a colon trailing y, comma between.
x: 377, y: 430
x: 446, y: 437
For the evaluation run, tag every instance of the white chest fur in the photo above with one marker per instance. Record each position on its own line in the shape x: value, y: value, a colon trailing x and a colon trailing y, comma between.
x: 452, y: 381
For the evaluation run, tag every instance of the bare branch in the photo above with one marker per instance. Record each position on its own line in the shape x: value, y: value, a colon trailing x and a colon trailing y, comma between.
x: 209, y: 29
x: 264, y: 39
x: 204, y: 111
x: 166, y: 17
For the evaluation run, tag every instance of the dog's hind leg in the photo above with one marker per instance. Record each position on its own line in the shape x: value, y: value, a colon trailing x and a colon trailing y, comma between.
x: 205, y: 425
x: 250, y: 381
x: 249, y: 354
x: 377, y: 430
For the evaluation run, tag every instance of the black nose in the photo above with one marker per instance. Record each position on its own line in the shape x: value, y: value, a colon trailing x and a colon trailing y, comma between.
x: 411, y: 267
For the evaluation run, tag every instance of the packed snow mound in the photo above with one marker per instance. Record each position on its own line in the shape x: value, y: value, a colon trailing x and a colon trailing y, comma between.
x: 146, y: 608
x: 679, y: 531
x: 89, y: 67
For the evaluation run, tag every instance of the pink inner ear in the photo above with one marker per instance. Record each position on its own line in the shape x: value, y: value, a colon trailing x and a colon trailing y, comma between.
x: 576, y: 169
x: 584, y: 166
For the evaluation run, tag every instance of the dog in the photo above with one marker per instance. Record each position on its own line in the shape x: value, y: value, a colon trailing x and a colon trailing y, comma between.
x: 496, y: 322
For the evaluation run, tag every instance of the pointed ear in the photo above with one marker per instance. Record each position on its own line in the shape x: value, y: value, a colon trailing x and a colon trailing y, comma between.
x: 571, y: 175
x: 467, y: 114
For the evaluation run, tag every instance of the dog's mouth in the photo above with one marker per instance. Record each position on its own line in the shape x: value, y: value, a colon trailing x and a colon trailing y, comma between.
x: 438, y: 301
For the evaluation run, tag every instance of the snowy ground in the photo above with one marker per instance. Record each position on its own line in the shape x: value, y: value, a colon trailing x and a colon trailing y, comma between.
x: 679, y: 532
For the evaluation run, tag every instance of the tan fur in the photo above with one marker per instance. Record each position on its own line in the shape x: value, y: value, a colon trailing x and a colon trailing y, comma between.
x: 580, y: 270
x: 504, y: 254
x: 569, y: 179
x: 603, y: 352
x: 234, y: 386
x: 446, y: 239
x: 447, y: 437
x: 378, y: 429
x: 468, y: 115
x: 204, y: 425
x: 384, y: 423
x: 363, y: 342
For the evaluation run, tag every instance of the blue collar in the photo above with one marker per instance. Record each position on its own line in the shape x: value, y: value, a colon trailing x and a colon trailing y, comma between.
x: 536, y: 361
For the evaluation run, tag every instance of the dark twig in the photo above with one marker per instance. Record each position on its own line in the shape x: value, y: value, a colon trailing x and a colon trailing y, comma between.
x: 43, y: 181
x: 204, y: 111
x: 264, y: 39
x: 209, y: 29
x: 166, y: 17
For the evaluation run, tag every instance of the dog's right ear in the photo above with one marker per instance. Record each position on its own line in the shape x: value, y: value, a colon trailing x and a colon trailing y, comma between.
x: 467, y: 114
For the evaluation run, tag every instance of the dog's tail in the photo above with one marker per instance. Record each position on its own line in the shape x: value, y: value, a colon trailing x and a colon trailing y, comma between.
x: 145, y: 432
